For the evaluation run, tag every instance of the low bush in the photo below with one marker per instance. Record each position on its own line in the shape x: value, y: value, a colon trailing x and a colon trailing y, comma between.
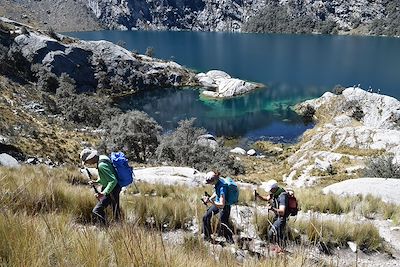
x: 134, y: 132
x: 181, y: 148
x: 382, y: 167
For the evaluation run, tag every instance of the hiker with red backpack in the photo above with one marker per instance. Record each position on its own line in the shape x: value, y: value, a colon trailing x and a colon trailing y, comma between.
x: 281, y: 206
x: 226, y: 194
x: 110, y: 188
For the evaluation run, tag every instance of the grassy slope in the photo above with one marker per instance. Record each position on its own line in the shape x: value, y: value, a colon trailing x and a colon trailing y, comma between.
x: 35, y: 134
x: 45, y: 220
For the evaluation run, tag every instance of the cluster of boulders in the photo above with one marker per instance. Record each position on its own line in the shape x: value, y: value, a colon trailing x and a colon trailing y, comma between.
x: 219, y: 84
x: 241, y: 151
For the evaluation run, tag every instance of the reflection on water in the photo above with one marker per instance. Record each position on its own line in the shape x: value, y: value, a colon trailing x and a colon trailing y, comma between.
x: 293, y: 67
x: 251, y: 116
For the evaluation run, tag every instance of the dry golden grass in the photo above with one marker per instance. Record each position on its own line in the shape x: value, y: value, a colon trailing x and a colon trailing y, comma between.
x: 52, y: 240
x: 338, y: 233
x: 360, y: 152
x: 43, y: 210
x: 40, y: 190
x: 263, y: 169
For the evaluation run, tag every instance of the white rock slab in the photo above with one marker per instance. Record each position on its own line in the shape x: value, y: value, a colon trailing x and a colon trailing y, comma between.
x: 386, y: 189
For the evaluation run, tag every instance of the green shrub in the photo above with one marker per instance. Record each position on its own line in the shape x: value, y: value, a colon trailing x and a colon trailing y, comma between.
x: 383, y: 167
x: 134, y: 132
x: 181, y: 148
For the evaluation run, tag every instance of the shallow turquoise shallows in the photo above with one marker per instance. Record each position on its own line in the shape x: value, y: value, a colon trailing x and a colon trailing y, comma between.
x: 293, y: 67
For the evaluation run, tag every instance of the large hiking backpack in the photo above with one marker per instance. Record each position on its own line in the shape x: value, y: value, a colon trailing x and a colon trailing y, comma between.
x: 293, y: 205
x: 232, y: 196
x: 122, y: 169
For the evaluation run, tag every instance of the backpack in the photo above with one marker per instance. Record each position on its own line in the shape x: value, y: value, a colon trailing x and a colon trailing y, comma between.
x: 293, y: 205
x: 232, y: 196
x: 124, y: 172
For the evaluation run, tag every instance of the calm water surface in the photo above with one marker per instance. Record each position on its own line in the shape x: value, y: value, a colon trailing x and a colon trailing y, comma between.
x: 293, y: 67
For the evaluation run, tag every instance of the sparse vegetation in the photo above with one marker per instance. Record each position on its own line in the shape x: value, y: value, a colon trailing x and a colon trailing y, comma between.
x: 332, y: 234
x: 52, y: 33
x: 275, y: 18
x: 383, y: 166
x: 388, y: 24
x: 338, y: 89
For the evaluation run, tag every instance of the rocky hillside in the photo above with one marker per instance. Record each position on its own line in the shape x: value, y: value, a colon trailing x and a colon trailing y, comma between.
x: 352, y: 127
x: 60, y: 15
x: 341, y: 16
x: 379, y: 17
x: 52, y: 86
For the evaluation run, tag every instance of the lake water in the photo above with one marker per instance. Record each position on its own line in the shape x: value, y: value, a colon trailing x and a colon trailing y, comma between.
x: 293, y: 67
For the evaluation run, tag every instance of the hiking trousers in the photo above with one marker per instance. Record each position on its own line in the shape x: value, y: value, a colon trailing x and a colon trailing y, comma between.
x: 110, y: 199
x: 224, y: 217
x: 276, y: 232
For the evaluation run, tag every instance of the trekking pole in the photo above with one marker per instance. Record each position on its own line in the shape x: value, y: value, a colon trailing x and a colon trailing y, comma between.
x: 325, y: 247
x: 90, y: 178
x: 255, y: 206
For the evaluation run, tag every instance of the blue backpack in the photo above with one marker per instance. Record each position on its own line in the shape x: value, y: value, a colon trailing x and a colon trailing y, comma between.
x: 123, y: 170
x: 232, y: 196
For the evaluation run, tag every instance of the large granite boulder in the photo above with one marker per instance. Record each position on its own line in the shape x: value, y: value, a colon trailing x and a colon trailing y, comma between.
x: 222, y: 85
x: 8, y: 161
x: 386, y: 189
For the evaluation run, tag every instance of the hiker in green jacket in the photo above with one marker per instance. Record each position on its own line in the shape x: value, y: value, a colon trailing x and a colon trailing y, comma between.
x: 110, y: 189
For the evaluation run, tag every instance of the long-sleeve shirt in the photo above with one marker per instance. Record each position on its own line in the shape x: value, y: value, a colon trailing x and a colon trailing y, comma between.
x: 107, y: 176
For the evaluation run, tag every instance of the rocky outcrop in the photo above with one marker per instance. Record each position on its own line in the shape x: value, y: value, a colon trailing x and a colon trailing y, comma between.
x: 223, y: 85
x: 351, y: 127
x: 91, y: 65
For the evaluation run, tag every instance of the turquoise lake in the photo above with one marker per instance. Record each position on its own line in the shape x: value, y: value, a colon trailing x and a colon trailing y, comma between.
x: 293, y: 68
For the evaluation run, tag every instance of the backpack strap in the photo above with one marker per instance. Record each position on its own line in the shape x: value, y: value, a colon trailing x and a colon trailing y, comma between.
x: 109, y: 162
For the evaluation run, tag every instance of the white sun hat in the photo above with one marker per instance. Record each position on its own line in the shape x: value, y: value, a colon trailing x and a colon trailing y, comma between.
x: 87, y: 154
x: 271, y: 184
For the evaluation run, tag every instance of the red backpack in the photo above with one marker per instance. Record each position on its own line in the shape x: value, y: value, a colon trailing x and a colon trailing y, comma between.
x: 293, y: 205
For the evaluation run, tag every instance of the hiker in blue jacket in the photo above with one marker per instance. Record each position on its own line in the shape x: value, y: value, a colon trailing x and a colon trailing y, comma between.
x: 218, y: 205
